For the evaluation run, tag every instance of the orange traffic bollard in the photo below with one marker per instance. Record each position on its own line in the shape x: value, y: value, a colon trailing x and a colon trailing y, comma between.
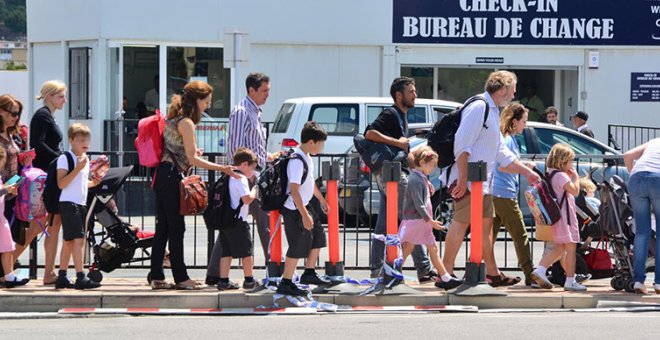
x: 333, y: 221
x: 476, y: 222
x: 392, y: 217
x: 276, y: 243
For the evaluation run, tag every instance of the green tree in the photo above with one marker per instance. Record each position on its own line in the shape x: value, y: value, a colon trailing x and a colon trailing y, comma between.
x: 15, y: 19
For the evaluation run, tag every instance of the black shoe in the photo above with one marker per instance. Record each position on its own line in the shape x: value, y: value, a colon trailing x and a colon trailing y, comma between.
x: 451, y: 284
x: 212, y: 280
x: 15, y: 283
x: 86, y: 283
x: 229, y: 285
x: 313, y: 279
x: 63, y: 282
x: 251, y: 284
x: 290, y: 289
x: 430, y: 276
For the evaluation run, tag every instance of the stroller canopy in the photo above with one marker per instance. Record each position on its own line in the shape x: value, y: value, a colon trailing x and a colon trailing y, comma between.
x: 112, y: 181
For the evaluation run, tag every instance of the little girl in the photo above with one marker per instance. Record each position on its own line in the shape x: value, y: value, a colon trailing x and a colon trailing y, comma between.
x: 417, y: 221
x: 565, y: 232
x: 6, y: 242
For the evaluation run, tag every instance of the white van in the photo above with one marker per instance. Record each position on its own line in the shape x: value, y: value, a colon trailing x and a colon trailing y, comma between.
x: 343, y: 118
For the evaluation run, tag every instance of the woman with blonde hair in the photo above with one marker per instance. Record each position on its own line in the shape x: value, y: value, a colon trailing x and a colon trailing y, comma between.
x: 180, y: 154
x: 45, y: 138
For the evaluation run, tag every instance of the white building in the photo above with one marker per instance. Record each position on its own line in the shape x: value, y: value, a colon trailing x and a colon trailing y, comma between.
x: 107, y: 50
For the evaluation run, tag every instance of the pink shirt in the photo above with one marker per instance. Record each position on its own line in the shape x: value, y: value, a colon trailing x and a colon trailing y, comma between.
x: 565, y: 230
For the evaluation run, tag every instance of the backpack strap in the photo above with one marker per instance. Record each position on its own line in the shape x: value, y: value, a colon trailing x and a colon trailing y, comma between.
x: 69, y: 160
x: 305, y: 169
x: 474, y: 99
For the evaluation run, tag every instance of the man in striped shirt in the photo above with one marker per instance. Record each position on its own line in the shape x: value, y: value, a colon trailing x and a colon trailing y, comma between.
x: 246, y: 130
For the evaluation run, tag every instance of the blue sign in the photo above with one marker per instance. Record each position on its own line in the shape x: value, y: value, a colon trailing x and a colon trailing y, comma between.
x: 527, y: 22
x: 645, y: 87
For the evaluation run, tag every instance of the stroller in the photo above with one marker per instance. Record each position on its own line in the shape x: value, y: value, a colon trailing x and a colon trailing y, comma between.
x: 118, y: 241
x: 616, y: 221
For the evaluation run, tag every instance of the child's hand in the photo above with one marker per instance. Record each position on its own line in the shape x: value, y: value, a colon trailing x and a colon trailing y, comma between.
x: 437, y: 225
x: 571, y: 172
x: 82, y: 162
x: 308, y: 222
x: 12, y: 189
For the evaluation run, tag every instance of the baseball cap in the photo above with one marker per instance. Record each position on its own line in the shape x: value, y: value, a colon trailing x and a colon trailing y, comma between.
x: 582, y: 115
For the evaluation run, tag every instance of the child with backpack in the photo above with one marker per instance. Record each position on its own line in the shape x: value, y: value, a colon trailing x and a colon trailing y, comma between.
x: 235, y: 240
x: 417, y: 215
x: 565, y: 184
x: 303, y: 230
x: 6, y: 241
x: 74, y: 184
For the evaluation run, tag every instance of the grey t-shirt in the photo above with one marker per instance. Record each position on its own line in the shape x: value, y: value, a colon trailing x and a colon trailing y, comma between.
x: 416, y: 197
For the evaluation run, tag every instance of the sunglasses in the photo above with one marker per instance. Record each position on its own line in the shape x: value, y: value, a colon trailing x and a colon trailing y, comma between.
x: 13, y: 114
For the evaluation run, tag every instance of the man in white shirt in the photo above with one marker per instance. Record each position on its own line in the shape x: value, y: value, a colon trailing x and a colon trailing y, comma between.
x: 551, y: 116
x: 476, y: 141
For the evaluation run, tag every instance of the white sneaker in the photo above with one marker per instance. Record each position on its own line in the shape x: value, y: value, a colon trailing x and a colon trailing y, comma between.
x: 574, y: 287
x: 640, y: 288
x: 541, y: 280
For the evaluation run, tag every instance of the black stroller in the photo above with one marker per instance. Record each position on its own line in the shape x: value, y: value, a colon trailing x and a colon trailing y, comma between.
x: 616, y: 221
x: 118, y: 242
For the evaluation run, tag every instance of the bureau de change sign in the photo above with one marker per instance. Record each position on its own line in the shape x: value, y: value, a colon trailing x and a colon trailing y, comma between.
x: 527, y: 22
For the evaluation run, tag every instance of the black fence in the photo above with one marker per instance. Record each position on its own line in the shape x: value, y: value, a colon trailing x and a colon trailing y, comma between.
x: 626, y: 137
x: 359, y: 199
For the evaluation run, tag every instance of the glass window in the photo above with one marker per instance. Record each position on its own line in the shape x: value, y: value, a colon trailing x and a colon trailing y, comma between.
x: 459, y: 84
x: 283, y: 117
x: 336, y: 119
x: 79, y: 71
x: 185, y: 64
x: 417, y: 115
x: 549, y: 137
x: 423, y: 80
x: 441, y: 111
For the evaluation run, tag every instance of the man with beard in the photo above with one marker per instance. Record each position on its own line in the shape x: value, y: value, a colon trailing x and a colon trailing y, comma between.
x: 391, y: 128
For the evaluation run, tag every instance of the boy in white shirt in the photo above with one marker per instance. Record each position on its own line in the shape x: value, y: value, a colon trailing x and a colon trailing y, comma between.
x: 236, y: 241
x: 302, y: 226
x: 72, y: 207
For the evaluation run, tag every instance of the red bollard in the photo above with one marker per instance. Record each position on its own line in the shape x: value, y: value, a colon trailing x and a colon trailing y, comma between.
x: 392, y: 189
x: 333, y: 221
x: 275, y: 265
x: 476, y: 221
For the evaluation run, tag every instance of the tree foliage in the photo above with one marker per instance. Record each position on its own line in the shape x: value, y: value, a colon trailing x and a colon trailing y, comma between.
x: 13, y: 14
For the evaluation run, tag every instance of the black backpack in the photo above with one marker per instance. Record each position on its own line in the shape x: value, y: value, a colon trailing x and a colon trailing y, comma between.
x: 52, y: 192
x: 374, y: 154
x: 219, y: 214
x: 441, y: 136
x: 273, y: 182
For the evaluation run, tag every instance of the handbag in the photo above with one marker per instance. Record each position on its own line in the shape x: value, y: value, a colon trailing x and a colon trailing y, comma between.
x: 193, y: 197
x: 598, y: 259
x: 543, y: 232
x: 374, y: 154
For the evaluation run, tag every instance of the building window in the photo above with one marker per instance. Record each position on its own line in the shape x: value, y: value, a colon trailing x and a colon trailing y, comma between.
x: 79, y: 71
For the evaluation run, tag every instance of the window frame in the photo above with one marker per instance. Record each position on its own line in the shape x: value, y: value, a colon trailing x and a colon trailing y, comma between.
x: 78, y: 85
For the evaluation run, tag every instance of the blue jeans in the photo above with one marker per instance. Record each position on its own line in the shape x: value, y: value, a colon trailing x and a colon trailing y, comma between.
x: 420, y: 259
x: 644, y: 190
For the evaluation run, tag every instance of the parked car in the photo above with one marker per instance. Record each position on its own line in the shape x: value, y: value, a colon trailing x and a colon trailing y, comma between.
x: 535, y: 143
x: 342, y: 118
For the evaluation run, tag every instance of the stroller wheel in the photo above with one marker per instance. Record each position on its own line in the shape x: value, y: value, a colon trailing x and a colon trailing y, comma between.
x: 95, y: 275
x: 617, y: 283
x: 630, y: 285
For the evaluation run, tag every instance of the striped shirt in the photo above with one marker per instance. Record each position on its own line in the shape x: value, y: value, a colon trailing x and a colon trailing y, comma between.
x: 246, y: 130
x: 483, y: 144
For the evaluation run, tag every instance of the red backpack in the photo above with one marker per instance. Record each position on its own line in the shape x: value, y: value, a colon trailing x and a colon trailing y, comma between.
x: 149, y: 142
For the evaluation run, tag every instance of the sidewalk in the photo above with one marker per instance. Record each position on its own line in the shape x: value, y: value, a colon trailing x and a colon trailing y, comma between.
x: 135, y: 293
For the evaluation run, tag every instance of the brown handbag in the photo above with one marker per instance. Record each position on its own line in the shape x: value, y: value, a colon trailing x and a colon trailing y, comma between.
x: 193, y: 197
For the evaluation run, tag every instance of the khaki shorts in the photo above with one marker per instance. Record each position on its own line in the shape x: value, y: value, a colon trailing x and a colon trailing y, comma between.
x: 462, y: 208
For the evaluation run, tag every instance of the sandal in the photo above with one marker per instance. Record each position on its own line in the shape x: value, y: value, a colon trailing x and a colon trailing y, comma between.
x: 502, y: 280
x: 161, y: 285
x: 188, y: 285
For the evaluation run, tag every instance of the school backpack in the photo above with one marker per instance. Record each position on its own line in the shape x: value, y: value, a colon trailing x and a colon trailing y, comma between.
x: 219, y: 214
x: 273, y: 182
x: 51, y: 194
x: 543, y: 202
x: 149, y: 141
x: 29, y: 203
x: 441, y: 137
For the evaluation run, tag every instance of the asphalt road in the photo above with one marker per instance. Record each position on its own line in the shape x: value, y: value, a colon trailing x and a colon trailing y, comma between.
x: 564, y: 325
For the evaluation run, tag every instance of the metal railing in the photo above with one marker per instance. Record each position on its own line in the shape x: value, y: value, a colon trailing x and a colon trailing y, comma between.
x: 136, y: 203
x: 626, y: 137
